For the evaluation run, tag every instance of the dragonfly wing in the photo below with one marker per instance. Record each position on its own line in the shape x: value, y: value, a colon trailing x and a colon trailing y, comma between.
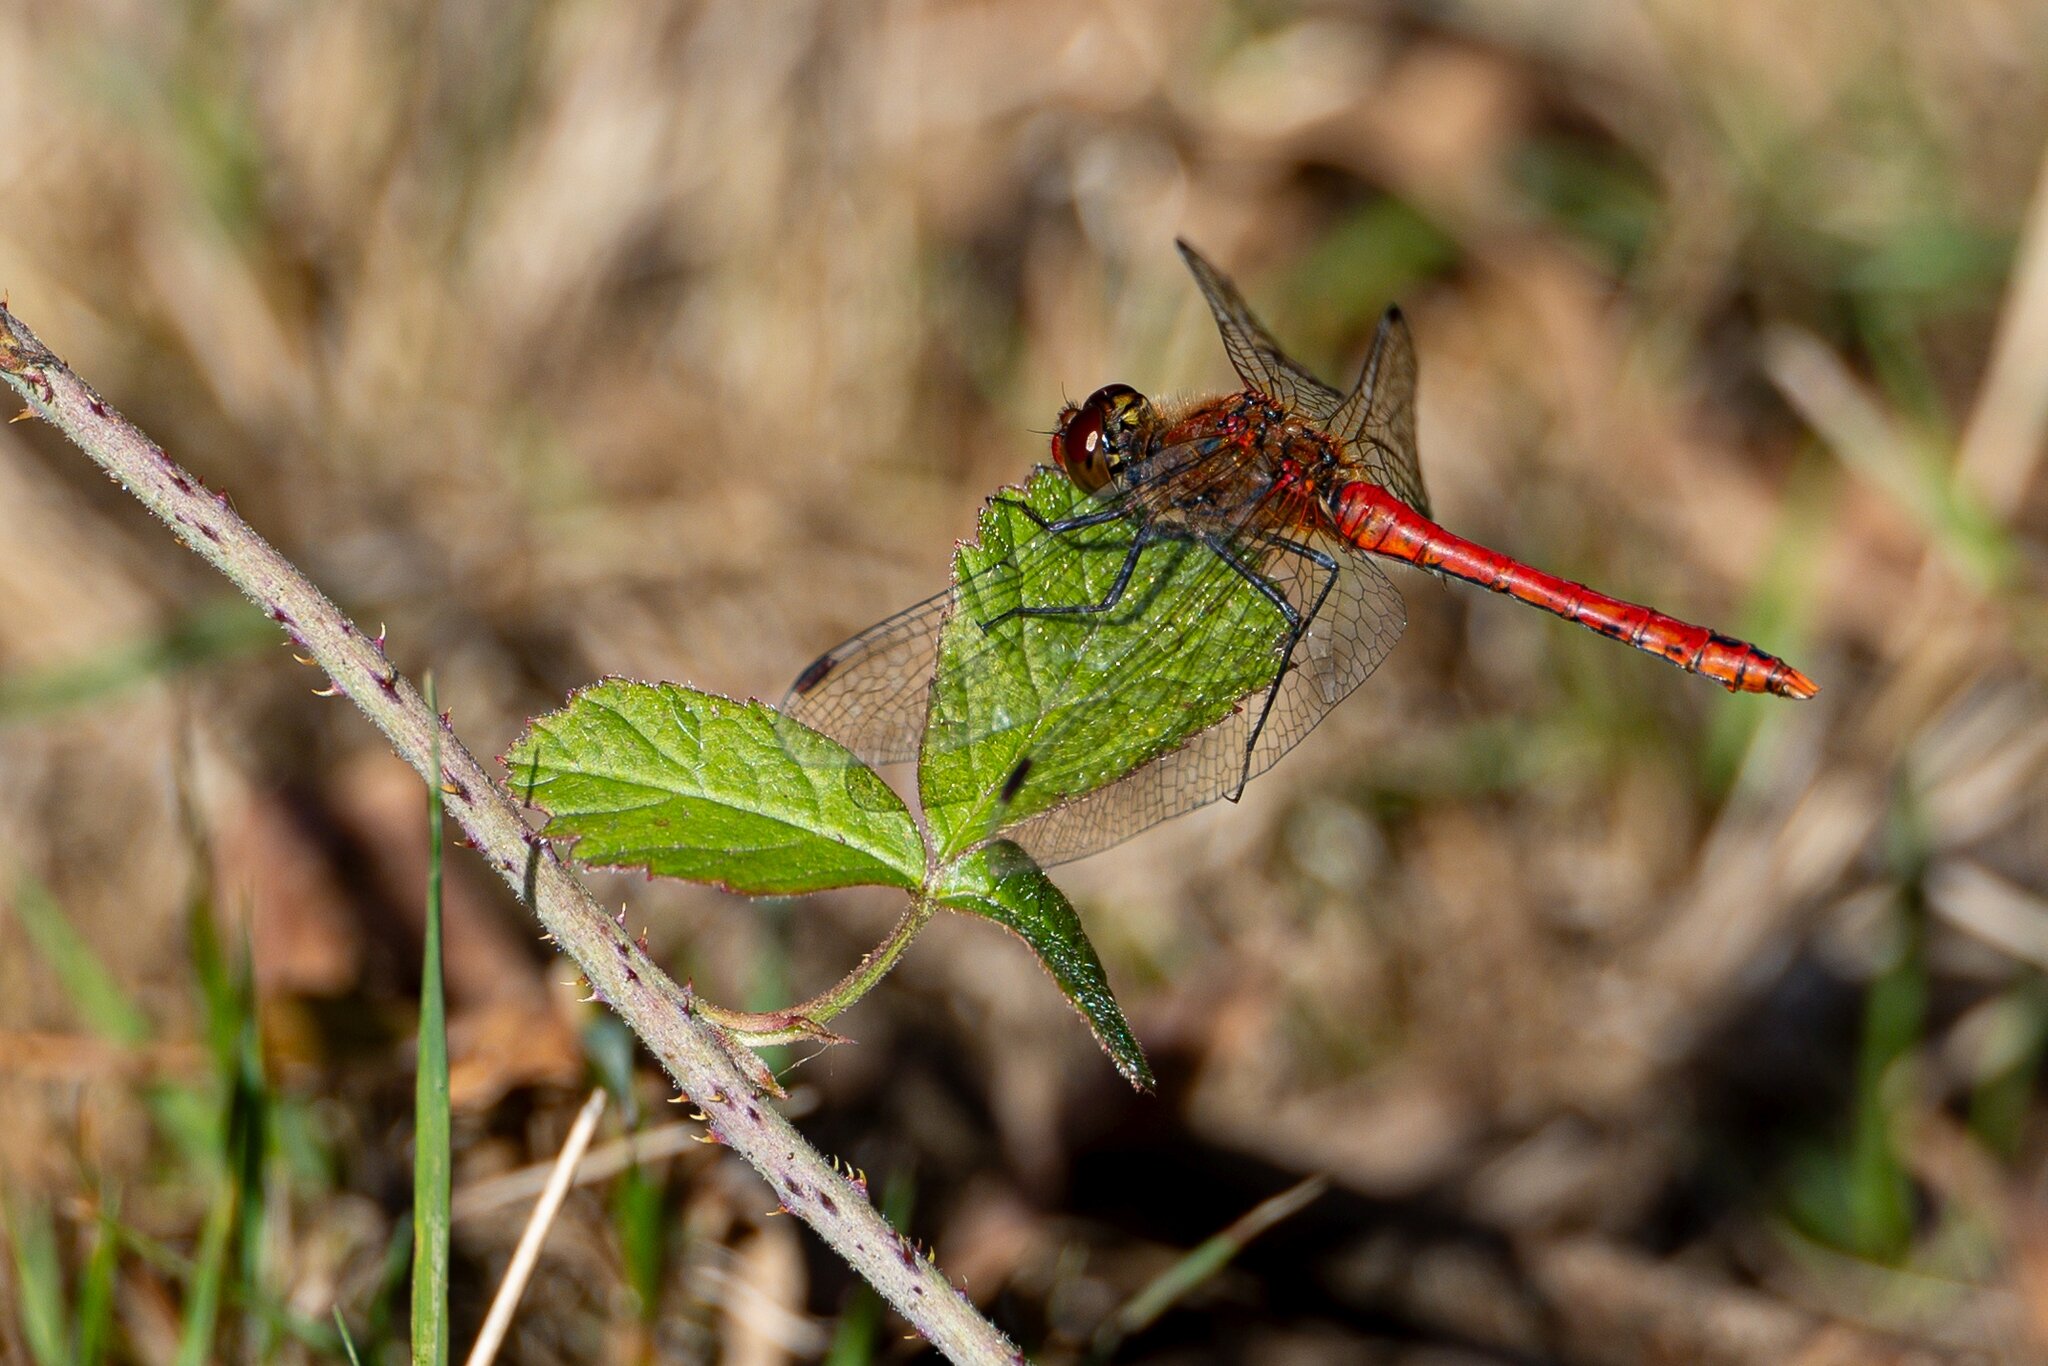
x: 1360, y: 619
x: 1035, y: 714
x: 1376, y: 422
x: 1092, y: 717
x: 871, y: 692
x: 1258, y: 359
x: 1357, y: 628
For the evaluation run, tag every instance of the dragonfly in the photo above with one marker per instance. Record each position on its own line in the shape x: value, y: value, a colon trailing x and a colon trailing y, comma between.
x: 1285, y: 494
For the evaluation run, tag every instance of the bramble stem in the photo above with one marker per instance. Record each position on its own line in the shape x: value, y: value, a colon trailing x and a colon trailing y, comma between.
x: 662, y: 1014
x: 806, y: 1019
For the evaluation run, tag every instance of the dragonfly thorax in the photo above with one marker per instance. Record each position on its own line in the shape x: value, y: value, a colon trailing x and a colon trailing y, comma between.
x: 1097, y: 441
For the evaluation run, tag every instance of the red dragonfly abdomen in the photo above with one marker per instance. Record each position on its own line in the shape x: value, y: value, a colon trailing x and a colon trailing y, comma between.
x: 1370, y: 518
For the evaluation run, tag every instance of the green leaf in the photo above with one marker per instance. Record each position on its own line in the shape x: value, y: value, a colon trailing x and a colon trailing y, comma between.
x: 692, y: 785
x: 1000, y: 882
x: 1030, y: 713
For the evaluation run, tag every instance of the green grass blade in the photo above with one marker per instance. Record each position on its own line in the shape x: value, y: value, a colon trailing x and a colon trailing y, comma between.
x: 348, y: 1344
x: 1172, y: 1285
x: 231, y: 1255
x: 431, y: 1163
x: 853, y: 1340
x: 186, y: 1271
x: 202, y: 1301
x: 610, y: 1048
x: 228, y: 991
x: 217, y: 997
x: 1860, y: 1198
x: 1880, y: 1192
x: 39, y: 1282
x: 249, y: 1124
x: 189, y: 1119
x: 381, y: 1309
x: 2002, y: 1098
x: 1776, y: 614
x: 216, y: 986
x: 96, y: 1288
x: 214, y: 631
x: 102, y: 1005
x: 639, y: 1209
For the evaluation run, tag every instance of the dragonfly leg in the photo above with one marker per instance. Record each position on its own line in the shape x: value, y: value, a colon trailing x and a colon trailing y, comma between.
x: 1298, y: 623
x: 1144, y: 537
x: 1221, y: 549
x: 1100, y: 517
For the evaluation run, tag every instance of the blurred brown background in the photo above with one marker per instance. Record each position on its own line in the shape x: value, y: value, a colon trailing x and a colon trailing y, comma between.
x: 1630, y: 1020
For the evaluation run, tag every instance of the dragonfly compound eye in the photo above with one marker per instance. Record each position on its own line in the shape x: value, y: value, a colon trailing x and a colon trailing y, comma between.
x: 1095, y: 439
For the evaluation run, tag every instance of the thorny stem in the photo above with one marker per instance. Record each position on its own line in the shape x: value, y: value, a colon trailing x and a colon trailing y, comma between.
x: 662, y: 1014
x: 806, y: 1019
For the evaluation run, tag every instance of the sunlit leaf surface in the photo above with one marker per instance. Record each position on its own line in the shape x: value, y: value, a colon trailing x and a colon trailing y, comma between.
x: 999, y: 881
x: 688, y: 784
x: 1029, y: 713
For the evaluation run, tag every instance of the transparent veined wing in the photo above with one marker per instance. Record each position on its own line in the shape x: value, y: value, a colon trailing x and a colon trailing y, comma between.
x: 1070, y: 733
x: 1358, y: 622
x: 1375, y: 423
x: 871, y: 692
x: 1257, y: 358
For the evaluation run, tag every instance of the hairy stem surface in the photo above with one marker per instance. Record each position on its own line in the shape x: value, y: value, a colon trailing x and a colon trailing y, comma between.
x: 661, y: 1013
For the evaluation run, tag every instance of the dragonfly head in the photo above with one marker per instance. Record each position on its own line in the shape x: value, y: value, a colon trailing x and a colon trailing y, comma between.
x: 1096, y: 440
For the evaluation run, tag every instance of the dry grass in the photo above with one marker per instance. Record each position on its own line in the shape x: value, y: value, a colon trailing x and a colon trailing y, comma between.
x: 1632, y: 1022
